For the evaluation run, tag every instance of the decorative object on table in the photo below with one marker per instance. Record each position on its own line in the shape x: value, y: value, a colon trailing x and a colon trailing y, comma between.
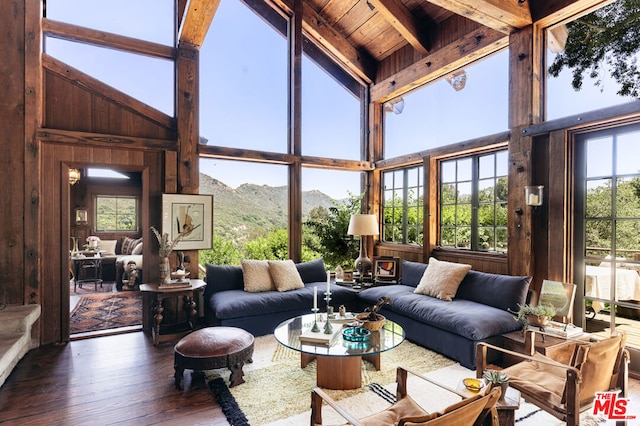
x: 93, y: 242
x: 370, y: 318
x: 497, y: 378
x: 180, y: 275
x: 75, y: 252
x: 561, y: 296
x: 473, y: 385
x: 165, y: 247
x: 347, y: 276
x: 342, y: 311
x: 363, y: 225
x: 339, y: 274
x: 327, y: 297
x: 538, y: 315
x: 386, y: 268
x: 188, y: 216
x: 180, y: 256
x: 356, y: 334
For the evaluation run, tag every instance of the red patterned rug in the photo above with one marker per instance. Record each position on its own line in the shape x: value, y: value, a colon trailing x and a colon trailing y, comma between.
x: 95, y: 312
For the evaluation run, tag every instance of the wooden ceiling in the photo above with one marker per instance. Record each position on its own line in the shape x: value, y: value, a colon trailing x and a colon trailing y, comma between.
x: 362, y: 35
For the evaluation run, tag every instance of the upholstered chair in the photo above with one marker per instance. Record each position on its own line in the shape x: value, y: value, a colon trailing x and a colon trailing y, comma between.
x: 406, y: 412
x: 565, y: 390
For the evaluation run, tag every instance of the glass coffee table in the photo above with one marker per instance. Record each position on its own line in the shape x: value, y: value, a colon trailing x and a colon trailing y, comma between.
x: 340, y: 362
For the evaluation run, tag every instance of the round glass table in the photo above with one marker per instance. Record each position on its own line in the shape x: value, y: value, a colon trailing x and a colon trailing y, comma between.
x: 339, y: 361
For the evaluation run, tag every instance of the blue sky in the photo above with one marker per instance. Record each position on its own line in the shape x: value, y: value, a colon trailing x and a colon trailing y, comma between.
x: 243, y: 92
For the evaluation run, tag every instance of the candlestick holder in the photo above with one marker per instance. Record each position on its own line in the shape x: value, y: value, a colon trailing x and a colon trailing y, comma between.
x: 315, y: 327
x: 327, y: 325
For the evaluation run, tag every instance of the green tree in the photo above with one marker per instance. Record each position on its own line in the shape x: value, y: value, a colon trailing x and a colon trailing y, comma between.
x: 609, y: 37
x: 336, y: 247
x: 223, y: 252
x: 273, y: 246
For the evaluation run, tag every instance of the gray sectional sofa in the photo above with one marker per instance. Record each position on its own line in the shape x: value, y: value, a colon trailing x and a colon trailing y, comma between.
x: 478, y: 312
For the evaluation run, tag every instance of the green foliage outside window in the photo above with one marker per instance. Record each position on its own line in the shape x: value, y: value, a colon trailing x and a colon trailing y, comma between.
x: 116, y: 213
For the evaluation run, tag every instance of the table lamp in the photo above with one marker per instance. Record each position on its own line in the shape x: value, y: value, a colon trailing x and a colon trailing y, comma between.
x: 363, y: 225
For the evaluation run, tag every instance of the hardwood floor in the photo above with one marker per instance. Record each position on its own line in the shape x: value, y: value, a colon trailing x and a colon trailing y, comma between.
x: 119, y: 379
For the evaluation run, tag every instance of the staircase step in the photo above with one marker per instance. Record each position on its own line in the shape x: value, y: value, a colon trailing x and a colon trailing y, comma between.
x: 15, y: 335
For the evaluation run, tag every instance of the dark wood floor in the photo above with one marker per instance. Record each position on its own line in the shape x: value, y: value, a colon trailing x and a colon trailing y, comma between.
x: 120, y: 379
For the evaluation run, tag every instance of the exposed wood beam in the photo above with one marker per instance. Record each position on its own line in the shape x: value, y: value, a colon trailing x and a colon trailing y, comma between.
x: 238, y: 154
x: 401, y: 18
x: 70, y: 32
x: 99, y: 88
x: 546, y: 13
x: 505, y: 16
x: 358, y: 62
x: 197, y: 20
x: 108, y: 141
x: 461, y: 52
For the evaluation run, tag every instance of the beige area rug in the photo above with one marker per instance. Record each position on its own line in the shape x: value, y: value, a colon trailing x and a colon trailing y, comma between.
x: 277, y: 392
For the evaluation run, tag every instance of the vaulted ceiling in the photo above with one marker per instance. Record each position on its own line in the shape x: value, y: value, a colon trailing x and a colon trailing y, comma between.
x: 368, y: 36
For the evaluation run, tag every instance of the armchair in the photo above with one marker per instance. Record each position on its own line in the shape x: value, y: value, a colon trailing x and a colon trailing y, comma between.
x: 565, y: 390
x: 469, y: 411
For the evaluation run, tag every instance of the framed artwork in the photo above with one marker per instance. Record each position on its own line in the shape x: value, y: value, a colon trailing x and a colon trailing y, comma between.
x: 82, y: 217
x: 191, y: 216
x: 348, y: 277
x: 386, y: 268
x: 561, y: 296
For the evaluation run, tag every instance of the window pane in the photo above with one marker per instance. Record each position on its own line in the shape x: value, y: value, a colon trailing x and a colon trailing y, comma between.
x: 627, y: 153
x: 486, y: 214
x: 486, y: 190
x: 598, y: 238
x: 403, y: 206
x: 417, y: 121
x: 464, y: 169
x: 464, y: 192
x: 486, y: 166
x: 598, y: 202
x: 115, y: 213
x: 599, y: 157
x: 463, y: 214
x: 448, y: 171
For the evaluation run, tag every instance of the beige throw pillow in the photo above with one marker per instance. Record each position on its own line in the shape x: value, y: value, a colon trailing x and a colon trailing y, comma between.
x: 256, y: 276
x: 285, y: 275
x: 442, y: 279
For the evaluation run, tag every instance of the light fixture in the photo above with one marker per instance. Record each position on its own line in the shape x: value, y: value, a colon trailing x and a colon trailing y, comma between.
x: 395, y: 105
x: 74, y: 176
x: 533, y: 195
x: 457, y: 79
x: 363, y: 225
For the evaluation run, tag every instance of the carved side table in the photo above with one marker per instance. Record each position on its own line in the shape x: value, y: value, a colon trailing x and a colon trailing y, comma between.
x: 170, y: 313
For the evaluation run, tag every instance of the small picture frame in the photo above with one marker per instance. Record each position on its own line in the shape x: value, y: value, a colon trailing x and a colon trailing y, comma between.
x: 82, y: 216
x: 348, y: 277
x: 386, y: 268
x: 191, y: 215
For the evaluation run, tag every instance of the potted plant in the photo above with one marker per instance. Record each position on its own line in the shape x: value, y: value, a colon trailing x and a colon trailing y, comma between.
x: 370, y: 318
x: 538, y: 315
x: 497, y: 379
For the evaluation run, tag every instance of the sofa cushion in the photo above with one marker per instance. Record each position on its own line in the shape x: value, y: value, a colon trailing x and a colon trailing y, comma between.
x: 108, y: 247
x: 223, y: 277
x: 441, y: 279
x: 128, y: 244
x: 412, y: 272
x: 285, y: 275
x: 137, y: 249
x: 500, y: 291
x: 313, y: 271
x: 256, y: 276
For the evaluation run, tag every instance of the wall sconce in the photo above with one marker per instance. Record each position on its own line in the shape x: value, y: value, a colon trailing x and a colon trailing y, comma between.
x: 74, y: 176
x: 533, y: 195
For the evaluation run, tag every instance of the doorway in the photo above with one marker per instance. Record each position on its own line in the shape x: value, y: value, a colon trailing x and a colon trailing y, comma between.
x: 105, y: 207
x: 607, y: 232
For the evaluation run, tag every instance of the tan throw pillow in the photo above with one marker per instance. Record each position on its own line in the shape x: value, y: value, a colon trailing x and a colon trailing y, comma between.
x: 442, y: 279
x: 137, y: 249
x: 256, y: 276
x: 285, y: 275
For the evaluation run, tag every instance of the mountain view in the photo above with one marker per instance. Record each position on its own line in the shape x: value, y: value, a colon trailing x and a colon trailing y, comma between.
x: 250, y: 211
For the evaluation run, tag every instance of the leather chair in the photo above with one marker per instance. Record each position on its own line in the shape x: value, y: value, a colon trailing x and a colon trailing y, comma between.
x: 565, y: 390
x: 469, y: 411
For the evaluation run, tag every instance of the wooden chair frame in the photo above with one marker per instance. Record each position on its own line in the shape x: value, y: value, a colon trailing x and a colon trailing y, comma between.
x: 573, y: 378
x: 488, y: 413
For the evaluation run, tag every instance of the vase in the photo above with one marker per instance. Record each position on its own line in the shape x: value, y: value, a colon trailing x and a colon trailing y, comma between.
x: 165, y: 270
x: 75, y: 250
x: 537, y: 321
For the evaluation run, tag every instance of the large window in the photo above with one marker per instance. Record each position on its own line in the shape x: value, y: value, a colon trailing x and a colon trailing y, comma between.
x: 473, y: 202
x: 402, y: 206
x: 116, y: 213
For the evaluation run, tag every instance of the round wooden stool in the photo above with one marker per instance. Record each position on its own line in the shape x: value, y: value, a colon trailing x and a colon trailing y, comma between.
x: 214, y: 347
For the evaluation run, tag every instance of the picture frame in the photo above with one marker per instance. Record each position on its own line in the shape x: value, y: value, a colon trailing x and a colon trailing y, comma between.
x: 82, y: 216
x: 191, y: 215
x: 561, y: 296
x: 347, y: 277
x: 386, y: 268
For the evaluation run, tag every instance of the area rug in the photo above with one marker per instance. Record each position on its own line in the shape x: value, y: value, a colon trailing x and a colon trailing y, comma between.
x: 90, y: 288
x: 277, y: 392
x: 104, y: 311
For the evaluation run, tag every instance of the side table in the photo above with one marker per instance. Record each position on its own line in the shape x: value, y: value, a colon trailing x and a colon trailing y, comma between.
x: 506, y: 406
x: 160, y: 320
x: 554, y: 347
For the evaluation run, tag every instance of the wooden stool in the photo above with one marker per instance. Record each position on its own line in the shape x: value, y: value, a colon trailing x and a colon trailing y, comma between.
x: 214, y: 347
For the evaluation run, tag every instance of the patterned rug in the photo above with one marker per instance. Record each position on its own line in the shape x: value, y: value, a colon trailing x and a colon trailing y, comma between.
x: 95, y: 312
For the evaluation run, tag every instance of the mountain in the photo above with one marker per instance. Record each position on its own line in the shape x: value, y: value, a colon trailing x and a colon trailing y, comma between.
x: 251, y: 210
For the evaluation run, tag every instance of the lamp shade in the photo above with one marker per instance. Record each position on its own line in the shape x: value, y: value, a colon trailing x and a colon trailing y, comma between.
x: 363, y: 224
